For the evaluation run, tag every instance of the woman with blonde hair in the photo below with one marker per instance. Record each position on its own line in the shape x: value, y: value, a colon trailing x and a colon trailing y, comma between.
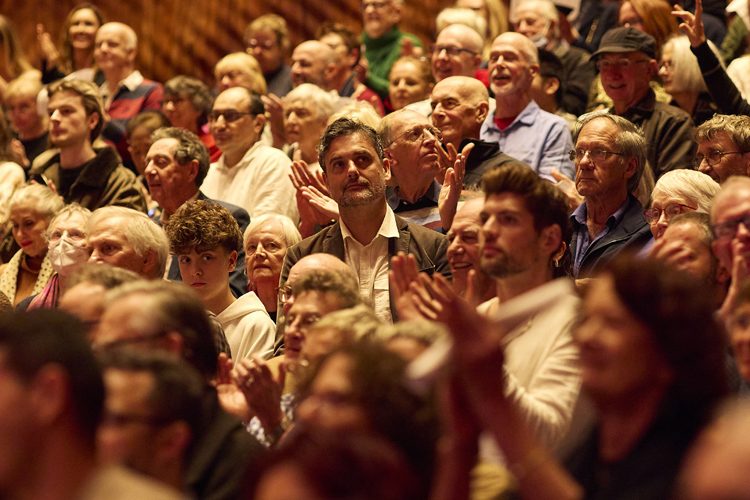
x: 32, y: 207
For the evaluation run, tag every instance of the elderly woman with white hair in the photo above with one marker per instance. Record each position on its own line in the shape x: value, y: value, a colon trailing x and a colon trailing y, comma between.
x: 682, y: 79
x: 266, y: 241
x: 32, y: 207
x: 677, y: 192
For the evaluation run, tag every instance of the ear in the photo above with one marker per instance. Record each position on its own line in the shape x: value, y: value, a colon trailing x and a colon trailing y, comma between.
x: 232, y: 261
x: 533, y: 69
x: 329, y: 71
x: 481, y: 111
x: 550, y: 239
x: 192, y: 168
x: 723, y: 275
x: 260, y: 121
x: 477, y: 60
x: 631, y: 168
x: 49, y: 393
x: 131, y: 55
x: 92, y: 120
x: 551, y: 85
x: 653, y: 68
x: 387, y: 164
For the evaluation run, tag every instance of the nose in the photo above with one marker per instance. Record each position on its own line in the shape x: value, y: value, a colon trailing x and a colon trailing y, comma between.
x: 743, y: 231
x: 260, y: 252
x: 169, y: 105
x: 455, y: 247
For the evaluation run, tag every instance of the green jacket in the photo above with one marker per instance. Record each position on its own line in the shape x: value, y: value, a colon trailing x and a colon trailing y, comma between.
x: 381, y: 53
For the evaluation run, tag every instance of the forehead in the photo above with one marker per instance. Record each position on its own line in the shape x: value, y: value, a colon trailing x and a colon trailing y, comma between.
x: 310, y: 50
x: 598, y: 129
x: 72, y: 219
x: 406, y: 119
x: 262, y: 33
x: 84, y: 15
x: 685, y: 232
x: 270, y: 229
x: 530, y: 11
x: 300, y: 103
x: 332, y: 39
x: 111, y: 228
x: 731, y: 202
x: 24, y: 209
x: 505, y: 202
x: 452, y: 35
x: 165, y: 147
x: 350, y: 144
x: 128, y: 387
x: 661, y: 198
x: 450, y: 87
x: 111, y: 32
x: 234, y: 98
x: 717, y: 138
x: 314, y: 302
x: 66, y: 98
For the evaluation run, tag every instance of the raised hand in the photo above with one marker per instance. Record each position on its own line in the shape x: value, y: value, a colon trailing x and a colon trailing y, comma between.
x: 261, y: 391
x: 275, y: 112
x: 691, y: 24
x: 453, y: 182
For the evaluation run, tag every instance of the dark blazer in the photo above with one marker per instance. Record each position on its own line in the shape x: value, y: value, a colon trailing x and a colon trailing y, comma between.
x: 237, y: 279
x: 630, y: 234
x: 428, y: 247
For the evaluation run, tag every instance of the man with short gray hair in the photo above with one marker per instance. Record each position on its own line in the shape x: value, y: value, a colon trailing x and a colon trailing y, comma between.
x: 176, y: 165
x: 724, y: 146
x: 125, y: 91
x: 126, y: 238
x: 610, y: 155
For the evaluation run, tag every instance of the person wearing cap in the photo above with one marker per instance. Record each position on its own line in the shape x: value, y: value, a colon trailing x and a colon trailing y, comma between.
x: 626, y: 61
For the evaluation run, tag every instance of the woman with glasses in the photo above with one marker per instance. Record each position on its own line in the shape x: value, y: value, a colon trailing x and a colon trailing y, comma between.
x: 677, y: 192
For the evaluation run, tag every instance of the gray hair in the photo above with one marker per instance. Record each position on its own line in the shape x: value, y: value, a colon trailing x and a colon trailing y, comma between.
x: 690, y: 185
x: 289, y: 230
x: 189, y: 148
x: 630, y: 141
x: 686, y: 73
x: 39, y: 198
x: 322, y: 101
x: 451, y: 16
x: 545, y: 8
x: 131, y: 39
x: 353, y: 323
x: 67, y: 211
x: 737, y: 127
x: 140, y: 231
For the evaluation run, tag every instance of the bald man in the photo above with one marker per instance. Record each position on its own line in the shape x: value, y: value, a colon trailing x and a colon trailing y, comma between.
x: 460, y: 104
x: 125, y: 92
x: 457, y: 51
x: 519, y: 126
x: 299, y: 270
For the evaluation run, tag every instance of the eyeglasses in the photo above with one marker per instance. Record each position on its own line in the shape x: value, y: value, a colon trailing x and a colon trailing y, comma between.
x: 714, y: 157
x: 285, y: 293
x: 253, y: 43
x: 617, y: 64
x: 173, y: 100
x: 450, y: 51
x: 728, y: 229
x: 416, y: 134
x: 654, y: 214
x: 595, y: 155
x: 229, y: 115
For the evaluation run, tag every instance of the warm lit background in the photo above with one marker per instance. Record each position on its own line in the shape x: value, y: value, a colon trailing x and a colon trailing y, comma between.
x: 188, y: 37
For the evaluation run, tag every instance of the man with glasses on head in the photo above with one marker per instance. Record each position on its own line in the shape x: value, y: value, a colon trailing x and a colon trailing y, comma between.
x: 723, y: 146
x: 248, y: 174
x: 626, y: 61
x: 610, y: 155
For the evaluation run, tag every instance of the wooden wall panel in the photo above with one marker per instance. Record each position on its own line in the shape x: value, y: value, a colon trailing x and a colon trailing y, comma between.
x: 188, y: 37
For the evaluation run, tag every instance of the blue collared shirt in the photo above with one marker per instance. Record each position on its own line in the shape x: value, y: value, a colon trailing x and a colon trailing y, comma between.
x: 536, y: 137
x: 581, y: 231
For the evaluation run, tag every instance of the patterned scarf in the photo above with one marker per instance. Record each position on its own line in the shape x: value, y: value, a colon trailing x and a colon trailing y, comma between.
x: 9, y: 278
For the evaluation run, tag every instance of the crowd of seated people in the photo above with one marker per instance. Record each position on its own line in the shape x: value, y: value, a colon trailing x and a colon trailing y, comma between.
x: 510, y: 259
